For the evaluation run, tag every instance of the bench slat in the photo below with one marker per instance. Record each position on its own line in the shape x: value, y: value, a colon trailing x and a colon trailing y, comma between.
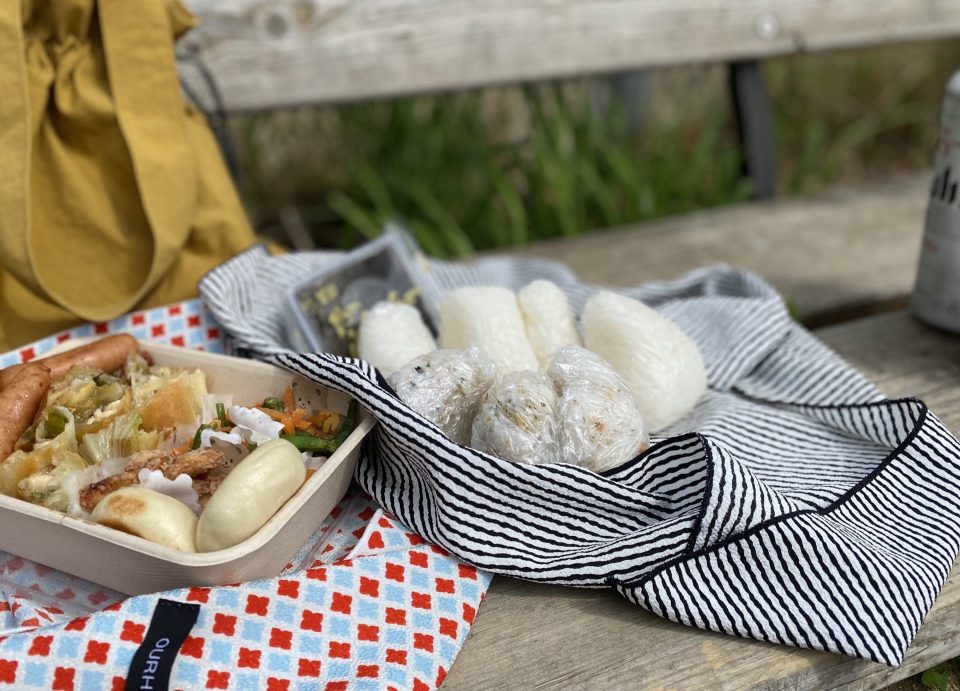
x: 547, y: 637
x: 269, y: 53
x: 829, y: 255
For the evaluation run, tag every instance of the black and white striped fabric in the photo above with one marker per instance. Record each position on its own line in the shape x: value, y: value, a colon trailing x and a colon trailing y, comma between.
x: 794, y: 505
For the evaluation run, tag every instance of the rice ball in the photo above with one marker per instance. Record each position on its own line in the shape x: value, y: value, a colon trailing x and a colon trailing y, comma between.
x: 518, y: 419
x: 392, y: 334
x: 548, y: 318
x: 446, y: 387
x: 488, y: 317
x: 600, y: 423
x: 658, y: 361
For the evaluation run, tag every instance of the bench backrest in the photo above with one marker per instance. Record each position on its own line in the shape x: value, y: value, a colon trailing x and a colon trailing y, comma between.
x: 271, y: 53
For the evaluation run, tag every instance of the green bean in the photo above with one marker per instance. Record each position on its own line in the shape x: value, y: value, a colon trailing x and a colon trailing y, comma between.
x: 222, y: 414
x: 310, y: 443
x: 349, y: 424
x: 307, y: 442
x: 274, y: 404
x: 196, y: 437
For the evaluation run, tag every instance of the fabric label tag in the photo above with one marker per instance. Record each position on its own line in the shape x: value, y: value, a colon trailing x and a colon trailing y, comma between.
x: 151, y: 664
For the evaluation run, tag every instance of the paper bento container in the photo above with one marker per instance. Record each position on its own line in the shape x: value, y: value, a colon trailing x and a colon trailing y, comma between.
x: 135, y: 566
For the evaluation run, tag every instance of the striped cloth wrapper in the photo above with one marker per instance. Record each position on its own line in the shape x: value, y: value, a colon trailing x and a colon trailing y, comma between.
x: 795, y: 504
x: 366, y: 603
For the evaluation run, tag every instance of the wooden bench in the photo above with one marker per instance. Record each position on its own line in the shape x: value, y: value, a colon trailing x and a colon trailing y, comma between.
x: 836, y: 257
x: 265, y: 54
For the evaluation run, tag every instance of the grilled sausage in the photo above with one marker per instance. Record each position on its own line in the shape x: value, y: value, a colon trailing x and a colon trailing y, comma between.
x: 107, y: 355
x: 19, y: 402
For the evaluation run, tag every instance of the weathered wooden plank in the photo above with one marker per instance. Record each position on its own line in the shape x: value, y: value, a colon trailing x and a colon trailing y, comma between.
x: 830, y: 255
x: 269, y: 53
x: 529, y: 636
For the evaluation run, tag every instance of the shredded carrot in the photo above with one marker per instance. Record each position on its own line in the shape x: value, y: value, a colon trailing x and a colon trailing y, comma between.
x: 294, y: 419
x: 291, y: 420
x: 288, y: 398
x: 275, y: 414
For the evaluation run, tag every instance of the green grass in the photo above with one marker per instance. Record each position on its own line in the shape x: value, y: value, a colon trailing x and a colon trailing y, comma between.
x: 437, y: 166
x: 858, y: 115
x: 508, y: 166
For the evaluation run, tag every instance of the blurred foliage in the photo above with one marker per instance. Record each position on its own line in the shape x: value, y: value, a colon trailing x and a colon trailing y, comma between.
x: 511, y: 165
x: 858, y: 115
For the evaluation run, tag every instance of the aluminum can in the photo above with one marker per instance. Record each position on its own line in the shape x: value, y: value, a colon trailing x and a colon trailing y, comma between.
x: 936, y: 294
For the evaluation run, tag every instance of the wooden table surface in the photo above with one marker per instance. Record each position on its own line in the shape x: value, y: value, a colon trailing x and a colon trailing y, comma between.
x: 850, y: 250
x: 831, y: 256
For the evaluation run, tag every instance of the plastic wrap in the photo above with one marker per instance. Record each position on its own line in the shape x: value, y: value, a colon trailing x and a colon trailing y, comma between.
x: 446, y: 386
x: 490, y: 318
x: 600, y: 423
x: 518, y: 419
x: 657, y: 360
x: 548, y: 318
x: 391, y: 335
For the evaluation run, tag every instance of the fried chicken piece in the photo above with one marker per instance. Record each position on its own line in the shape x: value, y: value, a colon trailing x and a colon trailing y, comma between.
x: 192, y: 463
x: 207, y: 484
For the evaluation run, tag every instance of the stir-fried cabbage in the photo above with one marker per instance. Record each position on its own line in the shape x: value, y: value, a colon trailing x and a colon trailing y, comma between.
x: 93, y: 422
x: 93, y: 397
x: 45, y: 487
x: 119, y: 439
x: 86, y: 392
x: 146, y: 381
x: 76, y: 391
x: 57, y: 428
x: 35, y: 474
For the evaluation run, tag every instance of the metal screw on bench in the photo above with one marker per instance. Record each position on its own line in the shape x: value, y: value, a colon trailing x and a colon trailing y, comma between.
x: 936, y: 295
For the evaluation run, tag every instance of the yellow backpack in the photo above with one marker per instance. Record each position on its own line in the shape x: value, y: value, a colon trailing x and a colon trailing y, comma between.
x: 113, y: 192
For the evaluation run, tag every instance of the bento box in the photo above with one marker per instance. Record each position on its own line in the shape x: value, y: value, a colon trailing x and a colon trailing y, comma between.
x: 135, y: 566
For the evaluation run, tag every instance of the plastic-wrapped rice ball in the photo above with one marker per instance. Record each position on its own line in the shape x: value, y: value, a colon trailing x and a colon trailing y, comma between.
x: 660, y: 363
x: 518, y: 419
x: 392, y: 334
x: 490, y: 318
x: 446, y: 387
x: 548, y: 318
x: 600, y: 424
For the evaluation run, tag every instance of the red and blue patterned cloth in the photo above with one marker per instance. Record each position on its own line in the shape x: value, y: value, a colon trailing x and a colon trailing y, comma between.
x: 185, y: 324
x: 364, y: 604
